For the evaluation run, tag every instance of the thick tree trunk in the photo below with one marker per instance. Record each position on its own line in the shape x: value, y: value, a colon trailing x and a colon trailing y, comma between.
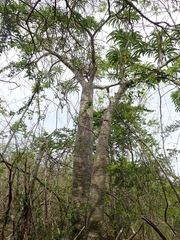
x: 82, y: 165
x: 98, y: 180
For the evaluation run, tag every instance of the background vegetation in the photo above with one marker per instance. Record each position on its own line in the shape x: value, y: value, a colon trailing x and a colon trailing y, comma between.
x: 107, y: 173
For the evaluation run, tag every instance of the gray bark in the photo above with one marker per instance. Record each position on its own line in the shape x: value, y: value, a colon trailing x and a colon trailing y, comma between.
x: 98, y: 180
x: 82, y: 164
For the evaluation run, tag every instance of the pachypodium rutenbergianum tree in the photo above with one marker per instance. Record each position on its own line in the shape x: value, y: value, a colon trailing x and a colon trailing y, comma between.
x: 126, y: 46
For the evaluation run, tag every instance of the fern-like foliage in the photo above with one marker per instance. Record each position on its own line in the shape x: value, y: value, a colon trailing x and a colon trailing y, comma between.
x: 175, y: 96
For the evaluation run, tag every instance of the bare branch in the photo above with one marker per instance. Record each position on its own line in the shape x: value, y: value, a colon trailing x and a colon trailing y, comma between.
x: 65, y: 62
x: 106, y: 86
x: 32, y: 10
x: 148, y: 19
x: 154, y: 227
x: 19, y: 122
x: 79, y: 233
x: 135, y: 233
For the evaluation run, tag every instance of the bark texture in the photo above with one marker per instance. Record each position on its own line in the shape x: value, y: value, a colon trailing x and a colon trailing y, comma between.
x: 82, y: 165
x: 98, y: 181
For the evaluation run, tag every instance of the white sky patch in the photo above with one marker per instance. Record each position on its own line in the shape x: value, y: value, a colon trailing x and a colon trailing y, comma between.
x: 164, y: 112
x: 16, y: 91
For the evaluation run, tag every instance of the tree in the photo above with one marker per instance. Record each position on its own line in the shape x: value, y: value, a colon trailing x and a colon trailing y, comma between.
x: 52, y: 38
x: 136, y: 182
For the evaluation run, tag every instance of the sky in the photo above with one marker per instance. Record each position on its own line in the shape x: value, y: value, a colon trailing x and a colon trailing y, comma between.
x: 164, y: 112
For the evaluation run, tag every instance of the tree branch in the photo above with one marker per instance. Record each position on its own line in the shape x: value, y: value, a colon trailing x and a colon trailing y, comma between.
x: 144, y: 16
x: 66, y: 63
x: 20, y: 120
x: 135, y: 233
x: 154, y: 227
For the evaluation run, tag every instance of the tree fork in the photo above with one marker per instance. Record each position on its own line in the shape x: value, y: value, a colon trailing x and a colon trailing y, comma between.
x: 95, y: 217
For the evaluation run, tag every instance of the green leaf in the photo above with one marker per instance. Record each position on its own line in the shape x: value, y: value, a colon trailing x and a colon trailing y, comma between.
x: 175, y: 96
